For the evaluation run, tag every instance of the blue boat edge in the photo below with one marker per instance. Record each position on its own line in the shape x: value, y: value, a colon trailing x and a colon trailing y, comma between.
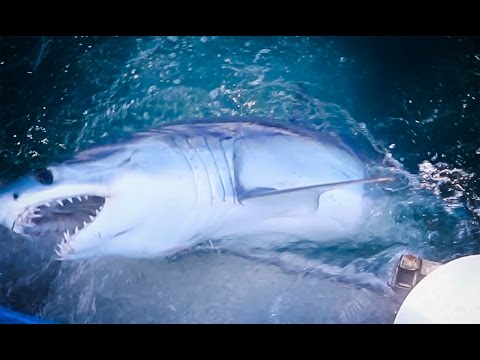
x: 8, y: 316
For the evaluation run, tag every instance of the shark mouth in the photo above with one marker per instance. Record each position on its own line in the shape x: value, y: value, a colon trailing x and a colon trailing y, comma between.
x: 61, y: 218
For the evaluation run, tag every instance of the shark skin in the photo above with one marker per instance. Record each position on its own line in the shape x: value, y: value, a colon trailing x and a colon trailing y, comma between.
x: 167, y: 189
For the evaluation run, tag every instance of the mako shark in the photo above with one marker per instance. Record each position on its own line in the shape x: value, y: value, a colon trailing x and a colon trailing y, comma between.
x: 170, y: 188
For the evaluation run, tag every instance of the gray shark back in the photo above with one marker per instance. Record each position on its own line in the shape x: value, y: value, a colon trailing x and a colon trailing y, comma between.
x: 221, y: 128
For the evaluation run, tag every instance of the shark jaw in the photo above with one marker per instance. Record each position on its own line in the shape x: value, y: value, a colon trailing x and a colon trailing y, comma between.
x: 64, y: 218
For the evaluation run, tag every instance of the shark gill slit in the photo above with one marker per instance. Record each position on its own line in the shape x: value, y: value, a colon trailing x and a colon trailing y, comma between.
x: 231, y: 174
x: 238, y: 184
x: 189, y: 164
x: 216, y: 167
x: 205, y: 169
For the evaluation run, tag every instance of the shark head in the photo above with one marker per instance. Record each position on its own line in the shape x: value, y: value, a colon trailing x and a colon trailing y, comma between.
x: 80, y: 203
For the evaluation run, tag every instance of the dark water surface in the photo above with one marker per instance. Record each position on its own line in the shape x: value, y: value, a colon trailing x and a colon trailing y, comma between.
x: 410, y: 105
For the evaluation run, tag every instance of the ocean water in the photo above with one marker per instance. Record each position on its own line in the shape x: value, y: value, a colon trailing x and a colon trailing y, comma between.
x: 409, y: 106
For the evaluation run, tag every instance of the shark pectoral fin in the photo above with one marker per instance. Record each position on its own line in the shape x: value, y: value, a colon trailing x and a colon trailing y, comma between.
x: 318, y: 189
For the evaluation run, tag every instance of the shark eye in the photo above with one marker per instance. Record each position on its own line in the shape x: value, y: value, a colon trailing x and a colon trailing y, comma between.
x: 43, y: 176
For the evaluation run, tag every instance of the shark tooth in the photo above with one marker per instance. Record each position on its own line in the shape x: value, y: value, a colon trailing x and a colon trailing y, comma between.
x: 59, y: 253
x: 60, y: 202
x: 70, y: 199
